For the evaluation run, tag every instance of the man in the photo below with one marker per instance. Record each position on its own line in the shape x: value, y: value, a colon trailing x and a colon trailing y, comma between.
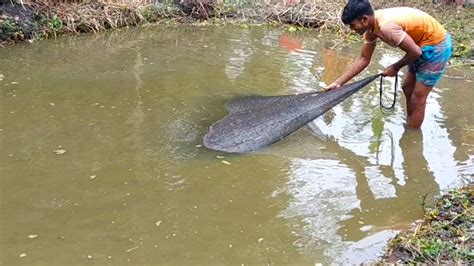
x: 427, y: 45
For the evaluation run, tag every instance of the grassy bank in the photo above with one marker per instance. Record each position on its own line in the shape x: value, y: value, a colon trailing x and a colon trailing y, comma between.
x: 44, y: 19
x: 445, y: 236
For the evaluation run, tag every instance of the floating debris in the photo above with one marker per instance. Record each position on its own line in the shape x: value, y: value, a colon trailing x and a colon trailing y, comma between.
x: 92, y: 177
x: 198, y: 146
x: 260, y: 240
x: 52, y: 104
x: 226, y: 162
x: 32, y: 236
x: 89, y: 256
x: 59, y: 152
x: 14, y: 82
x: 132, y: 249
x: 366, y: 228
x: 220, y: 157
x: 1, y: 77
x: 22, y: 255
x: 158, y: 223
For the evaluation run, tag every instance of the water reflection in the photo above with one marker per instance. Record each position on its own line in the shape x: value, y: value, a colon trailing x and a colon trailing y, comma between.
x: 384, y: 213
x: 374, y: 187
x: 296, y: 70
x: 438, y: 147
x: 133, y: 116
x: 334, y: 63
x: 239, y: 56
x: 339, y: 205
x: 290, y: 43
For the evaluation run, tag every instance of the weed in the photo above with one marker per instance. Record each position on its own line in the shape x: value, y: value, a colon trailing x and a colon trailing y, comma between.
x: 446, y: 236
x: 55, y: 24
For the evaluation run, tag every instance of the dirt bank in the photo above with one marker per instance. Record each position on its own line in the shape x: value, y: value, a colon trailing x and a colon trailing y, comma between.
x: 39, y: 20
x: 444, y: 237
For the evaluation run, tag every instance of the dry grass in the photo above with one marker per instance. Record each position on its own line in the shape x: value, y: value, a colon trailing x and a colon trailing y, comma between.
x: 95, y: 16
x: 311, y: 15
x: 74, y: 16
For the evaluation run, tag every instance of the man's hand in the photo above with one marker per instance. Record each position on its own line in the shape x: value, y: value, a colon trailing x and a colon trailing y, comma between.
x: 391, y: 71
x: 332, y: 86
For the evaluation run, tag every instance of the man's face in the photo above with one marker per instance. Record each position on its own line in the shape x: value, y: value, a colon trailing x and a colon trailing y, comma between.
x: 360, y: 25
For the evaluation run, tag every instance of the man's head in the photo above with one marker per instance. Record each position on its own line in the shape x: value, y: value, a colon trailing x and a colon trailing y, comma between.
x: 358, y: 14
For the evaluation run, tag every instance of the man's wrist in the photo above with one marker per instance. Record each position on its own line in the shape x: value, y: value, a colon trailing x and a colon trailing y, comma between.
x: 338, y: 82
x: 397, y: 66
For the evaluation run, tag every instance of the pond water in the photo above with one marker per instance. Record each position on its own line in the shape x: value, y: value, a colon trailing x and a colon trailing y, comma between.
x: 101, y: 159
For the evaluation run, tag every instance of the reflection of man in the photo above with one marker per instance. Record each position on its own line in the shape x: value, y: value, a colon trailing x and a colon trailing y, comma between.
x: 333, y: 64
x: 392, y: 213
x: 425, y: 41
x: 290, y: 43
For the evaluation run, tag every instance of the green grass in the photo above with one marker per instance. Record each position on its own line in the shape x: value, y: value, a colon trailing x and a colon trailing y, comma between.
x: 445, y: 236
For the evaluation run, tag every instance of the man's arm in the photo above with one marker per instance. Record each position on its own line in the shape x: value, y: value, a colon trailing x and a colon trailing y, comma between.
x: 413, y: 51
x: 360, y: 64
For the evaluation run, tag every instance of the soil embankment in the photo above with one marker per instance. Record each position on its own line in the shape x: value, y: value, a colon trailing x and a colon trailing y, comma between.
x: 444, y: 237
x: 44, y: 19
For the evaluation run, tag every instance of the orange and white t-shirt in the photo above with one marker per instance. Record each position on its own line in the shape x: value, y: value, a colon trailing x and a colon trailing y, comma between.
x: 393, y: 24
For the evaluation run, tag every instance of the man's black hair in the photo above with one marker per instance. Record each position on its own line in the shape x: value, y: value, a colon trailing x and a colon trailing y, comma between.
x: 355, y: 9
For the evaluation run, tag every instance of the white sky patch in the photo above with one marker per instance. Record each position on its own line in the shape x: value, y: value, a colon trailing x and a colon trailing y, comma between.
x: 241, y: 53
x: 323, y: 193
x: 297, y: 70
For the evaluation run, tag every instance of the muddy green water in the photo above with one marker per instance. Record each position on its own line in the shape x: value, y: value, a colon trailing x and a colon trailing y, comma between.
x: 101, y: 161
